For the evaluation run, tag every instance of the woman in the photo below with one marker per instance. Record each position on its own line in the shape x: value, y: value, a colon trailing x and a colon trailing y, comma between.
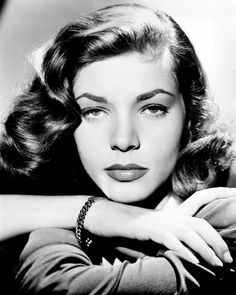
x: 120, y: 98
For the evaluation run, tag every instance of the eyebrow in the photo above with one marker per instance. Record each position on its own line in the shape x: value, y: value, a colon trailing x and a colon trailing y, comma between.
x: 152, y: 93
x: 92, y: 97
x: 139, y: 98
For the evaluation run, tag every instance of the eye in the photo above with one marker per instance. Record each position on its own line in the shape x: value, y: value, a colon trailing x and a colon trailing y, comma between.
x: 93, y: 113
x: 155, y: 110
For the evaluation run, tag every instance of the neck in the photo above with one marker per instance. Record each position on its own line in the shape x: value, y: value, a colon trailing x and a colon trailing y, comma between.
x: 156, y: 197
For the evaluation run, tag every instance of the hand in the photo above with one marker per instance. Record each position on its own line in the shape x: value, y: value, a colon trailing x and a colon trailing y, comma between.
x: 176, y: 230
x: 190, y: 206
x: 172, y: 230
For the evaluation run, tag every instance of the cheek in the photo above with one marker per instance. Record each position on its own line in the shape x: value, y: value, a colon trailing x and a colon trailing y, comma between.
x: 174, y: 128
x: 166, y: 136
x: 83, y: 142
x: 163, y: 152
x: 163, y: 143
x: 88, y: 142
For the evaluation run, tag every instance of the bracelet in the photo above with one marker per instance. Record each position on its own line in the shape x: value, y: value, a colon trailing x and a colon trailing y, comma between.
x: 79, y: 228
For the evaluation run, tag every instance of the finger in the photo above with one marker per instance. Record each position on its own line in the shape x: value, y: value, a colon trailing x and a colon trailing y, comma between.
x: 214, y: 240
x: 197, y: 200
x: 220, y: 192
x: 199, y: 245
x: 170, y: 241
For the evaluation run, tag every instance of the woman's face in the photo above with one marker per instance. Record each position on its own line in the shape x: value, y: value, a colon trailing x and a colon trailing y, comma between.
x: 132, y: 122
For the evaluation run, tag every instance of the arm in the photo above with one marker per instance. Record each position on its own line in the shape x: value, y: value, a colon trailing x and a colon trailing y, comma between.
x: 117, y: 220
x: 52, y: 262
x: 23, y: 213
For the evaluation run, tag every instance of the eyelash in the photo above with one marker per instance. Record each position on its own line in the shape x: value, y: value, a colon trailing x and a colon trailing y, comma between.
x: 157, y: 107
x: 88, y: 111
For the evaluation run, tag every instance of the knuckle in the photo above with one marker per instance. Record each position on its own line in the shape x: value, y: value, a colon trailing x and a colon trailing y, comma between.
x: 208, y: 252
x: 221, y: 248
x: 186, y: 232
x: 165, y: 236
x: 161, y: 235
x: 200, y: 222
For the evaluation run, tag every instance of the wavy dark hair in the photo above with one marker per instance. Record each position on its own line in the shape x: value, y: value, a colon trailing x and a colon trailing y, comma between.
x: 47, y: 113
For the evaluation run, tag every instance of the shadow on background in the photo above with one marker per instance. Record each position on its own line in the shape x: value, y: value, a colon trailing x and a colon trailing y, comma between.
x: 2, y: 7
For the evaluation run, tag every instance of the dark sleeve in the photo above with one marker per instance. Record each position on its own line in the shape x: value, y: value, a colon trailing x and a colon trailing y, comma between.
x: 52, y: 263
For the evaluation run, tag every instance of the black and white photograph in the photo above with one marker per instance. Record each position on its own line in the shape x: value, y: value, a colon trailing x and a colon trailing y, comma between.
x: 117, y: 147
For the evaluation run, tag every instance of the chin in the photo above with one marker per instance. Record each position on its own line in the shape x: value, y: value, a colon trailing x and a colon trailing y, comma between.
x: 124, y: 195
x: 128, y: 192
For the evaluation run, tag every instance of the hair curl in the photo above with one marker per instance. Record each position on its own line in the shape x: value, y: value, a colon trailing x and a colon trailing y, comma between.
x: 47, y: 113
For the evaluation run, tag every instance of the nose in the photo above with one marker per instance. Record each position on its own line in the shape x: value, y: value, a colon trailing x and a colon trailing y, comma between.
x: 124, y: 137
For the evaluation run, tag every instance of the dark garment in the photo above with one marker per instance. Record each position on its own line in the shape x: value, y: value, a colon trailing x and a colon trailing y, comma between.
x: 9, y: 254
x: 53, y: 263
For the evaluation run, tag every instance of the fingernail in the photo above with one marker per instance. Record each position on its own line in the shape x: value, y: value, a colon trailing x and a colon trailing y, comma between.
x: 216, y: 261
x: 227, y: 257
x: 193, y: 258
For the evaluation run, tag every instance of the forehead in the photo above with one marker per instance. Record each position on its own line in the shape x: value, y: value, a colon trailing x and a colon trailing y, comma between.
x: 132, y: 72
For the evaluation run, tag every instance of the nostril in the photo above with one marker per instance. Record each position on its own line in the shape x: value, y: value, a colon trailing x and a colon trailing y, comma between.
x: 124, y: 148
x: 124, y: 137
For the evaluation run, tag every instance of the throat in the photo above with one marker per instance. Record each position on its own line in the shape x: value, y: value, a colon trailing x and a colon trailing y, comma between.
x: 157, y: 198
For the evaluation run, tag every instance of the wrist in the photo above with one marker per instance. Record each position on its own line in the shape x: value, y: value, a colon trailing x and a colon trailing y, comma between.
x: 111, y: 219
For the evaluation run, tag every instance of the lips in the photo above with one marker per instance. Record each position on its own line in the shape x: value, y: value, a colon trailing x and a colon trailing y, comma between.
x: 126, y: 173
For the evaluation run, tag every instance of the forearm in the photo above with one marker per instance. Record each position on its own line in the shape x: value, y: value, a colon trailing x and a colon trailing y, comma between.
x: 52, y: 262
x: 112, y: 219
x: 23, y: 213
x: 150, y: 276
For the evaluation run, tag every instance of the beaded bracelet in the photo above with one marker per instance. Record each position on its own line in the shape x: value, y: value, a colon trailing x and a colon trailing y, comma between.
x: 79, y: 228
